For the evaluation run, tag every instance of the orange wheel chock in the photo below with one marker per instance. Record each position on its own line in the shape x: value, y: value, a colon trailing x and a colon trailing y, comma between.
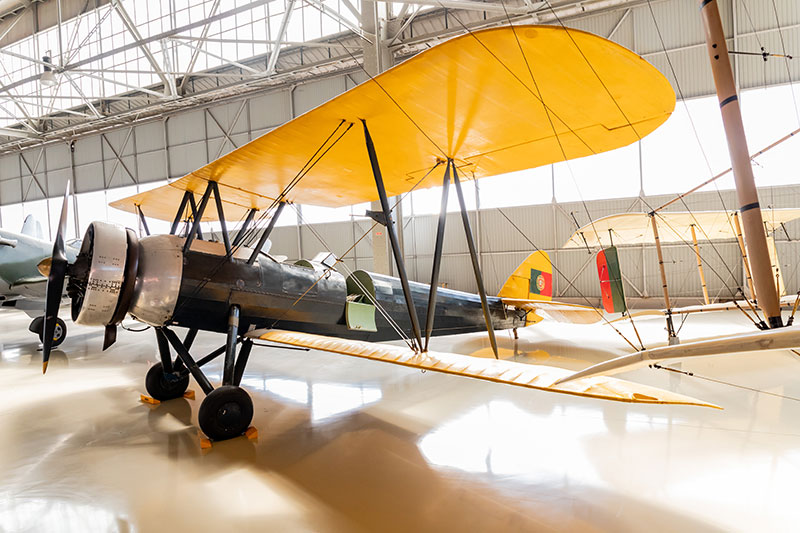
x: 251, y: 433
x: 148, y: 399
x: 189, y: 394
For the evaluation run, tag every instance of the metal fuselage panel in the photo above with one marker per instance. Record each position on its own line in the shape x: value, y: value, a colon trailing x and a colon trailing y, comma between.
x: 285, y: 296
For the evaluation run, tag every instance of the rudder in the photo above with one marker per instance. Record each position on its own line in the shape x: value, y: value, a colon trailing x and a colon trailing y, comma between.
x: 532, y: 280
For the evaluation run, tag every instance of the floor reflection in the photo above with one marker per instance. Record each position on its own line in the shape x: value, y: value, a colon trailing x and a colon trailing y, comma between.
x: 325, y: 399
x: 352, y: 445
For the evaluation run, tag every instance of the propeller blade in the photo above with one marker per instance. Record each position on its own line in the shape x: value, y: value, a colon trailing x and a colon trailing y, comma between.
x: 55, y: 283
x: 110, y: 336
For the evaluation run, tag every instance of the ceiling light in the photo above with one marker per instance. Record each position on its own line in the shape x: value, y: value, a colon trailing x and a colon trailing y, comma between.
x: 48, y: 77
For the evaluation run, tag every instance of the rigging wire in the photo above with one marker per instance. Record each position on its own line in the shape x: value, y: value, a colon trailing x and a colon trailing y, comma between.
x: 686, y: 106
x: 692, y: 374
x: 310, y: 163
x: 786, y: 58
x: 610, y: 95
x: 339, y: 259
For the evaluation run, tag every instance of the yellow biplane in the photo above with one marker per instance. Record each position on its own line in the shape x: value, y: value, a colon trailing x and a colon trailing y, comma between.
x: 482, y: 104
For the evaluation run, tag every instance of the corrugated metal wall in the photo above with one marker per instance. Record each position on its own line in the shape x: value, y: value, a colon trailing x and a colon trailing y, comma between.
x: 503, y: 246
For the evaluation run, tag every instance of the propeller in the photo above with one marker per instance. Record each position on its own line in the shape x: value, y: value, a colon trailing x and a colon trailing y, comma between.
x: 55, y: 283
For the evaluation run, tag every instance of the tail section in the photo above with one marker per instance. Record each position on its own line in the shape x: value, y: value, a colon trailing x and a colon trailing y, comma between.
x: 532, y: 280
x: 32, y: 228
x: 610, y: 275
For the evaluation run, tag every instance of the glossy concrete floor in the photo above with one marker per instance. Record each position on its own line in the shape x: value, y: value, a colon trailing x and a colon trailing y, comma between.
x: 353, y: 445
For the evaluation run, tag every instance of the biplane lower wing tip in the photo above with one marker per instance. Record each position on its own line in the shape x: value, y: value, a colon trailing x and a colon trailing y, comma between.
x: 541, y: 377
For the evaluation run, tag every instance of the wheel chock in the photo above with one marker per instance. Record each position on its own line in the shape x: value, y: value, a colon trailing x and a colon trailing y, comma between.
x: 189, y: 394
x: 205, y: 442
x: 251, y: 433
x: 148, y: 399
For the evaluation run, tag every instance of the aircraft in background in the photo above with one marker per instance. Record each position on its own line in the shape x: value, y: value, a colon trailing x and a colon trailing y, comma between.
x: 464, y: 109
x: 22, y: 286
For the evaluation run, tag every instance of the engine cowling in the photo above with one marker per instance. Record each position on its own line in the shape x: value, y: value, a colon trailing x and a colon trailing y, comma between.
x: 115, y: 273
x: 103, y: 275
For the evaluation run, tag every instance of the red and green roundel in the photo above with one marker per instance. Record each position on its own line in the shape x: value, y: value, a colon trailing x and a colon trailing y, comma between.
x: 610, y: 280
x: 541, y: 283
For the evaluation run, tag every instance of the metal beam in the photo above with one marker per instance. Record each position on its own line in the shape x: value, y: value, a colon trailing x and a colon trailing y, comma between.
x: 468, y: 5
x: 131, y: 27
x: 338, y: 17
x: 9, y: 132
x: 276, y: 48
x: 199, y: 49
x: 196, y: 53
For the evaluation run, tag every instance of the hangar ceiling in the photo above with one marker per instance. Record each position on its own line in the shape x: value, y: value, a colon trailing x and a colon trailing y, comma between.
x: 119, y: 62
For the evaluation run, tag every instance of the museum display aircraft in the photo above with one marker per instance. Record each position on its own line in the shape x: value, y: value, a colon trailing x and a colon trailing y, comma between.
x: 22, y: 286
x: 481, y: 104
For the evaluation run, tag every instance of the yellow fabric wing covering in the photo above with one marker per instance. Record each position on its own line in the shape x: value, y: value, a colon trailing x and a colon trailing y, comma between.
x: 508, y: 372
x: 635, y: 228
x: 471, y: 99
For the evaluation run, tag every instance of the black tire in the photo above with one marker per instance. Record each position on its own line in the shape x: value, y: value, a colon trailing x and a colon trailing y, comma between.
x: 164, y: 387
x: 225, y: 413
x: 59, y: 334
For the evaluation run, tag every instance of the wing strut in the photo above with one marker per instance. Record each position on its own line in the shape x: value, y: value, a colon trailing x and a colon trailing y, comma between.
x: 671, y: 337
x: 240, y: 235
x: 265, y: 234
x: 474, y: 256
x: 398, y: 256
x: 437, y: 258
x: 142, y: 219
x: 197, y: 214
x: 179, y: 214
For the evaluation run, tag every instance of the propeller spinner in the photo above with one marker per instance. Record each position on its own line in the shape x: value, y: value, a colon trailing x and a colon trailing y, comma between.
x: 55, y: 283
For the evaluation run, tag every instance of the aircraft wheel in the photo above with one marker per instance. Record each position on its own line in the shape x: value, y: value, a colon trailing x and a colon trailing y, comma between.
x: 59, y: 333
x: 225, y: 413
x: 164, y: 387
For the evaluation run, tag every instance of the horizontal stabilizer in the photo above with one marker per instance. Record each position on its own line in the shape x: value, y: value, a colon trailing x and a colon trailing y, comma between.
x: 508, y: 372
x: 774, y: 339
x: 558, y: 311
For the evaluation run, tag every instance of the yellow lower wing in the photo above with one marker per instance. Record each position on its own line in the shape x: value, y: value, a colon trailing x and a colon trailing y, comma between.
x: 510, y: 373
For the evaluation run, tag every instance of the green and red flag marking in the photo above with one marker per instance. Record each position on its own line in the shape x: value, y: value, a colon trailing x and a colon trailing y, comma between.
x: 541, y: 283
x: 610, y: 280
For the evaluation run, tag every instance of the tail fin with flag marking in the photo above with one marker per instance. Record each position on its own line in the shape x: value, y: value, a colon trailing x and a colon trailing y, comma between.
x: 610, y: 275
x: 532, y: 280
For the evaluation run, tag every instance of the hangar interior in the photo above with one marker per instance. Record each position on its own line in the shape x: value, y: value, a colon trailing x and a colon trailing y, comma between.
x: 119, y: 97
x: 128, y: 139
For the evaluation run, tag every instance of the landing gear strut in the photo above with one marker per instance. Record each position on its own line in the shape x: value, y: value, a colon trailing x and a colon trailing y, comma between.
x: 59, y: 334
x: 226, y: 411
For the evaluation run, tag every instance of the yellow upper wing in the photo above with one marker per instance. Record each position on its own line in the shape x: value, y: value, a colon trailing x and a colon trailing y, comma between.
x: 476, y: 99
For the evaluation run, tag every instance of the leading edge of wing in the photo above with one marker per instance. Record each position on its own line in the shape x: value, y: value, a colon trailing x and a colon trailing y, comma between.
x: 774, y: 339
x: 538, y: 377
